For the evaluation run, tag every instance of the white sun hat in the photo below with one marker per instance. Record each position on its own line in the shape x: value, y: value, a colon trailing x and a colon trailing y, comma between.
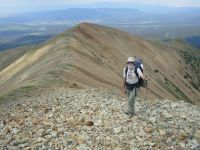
x: 130, y: 59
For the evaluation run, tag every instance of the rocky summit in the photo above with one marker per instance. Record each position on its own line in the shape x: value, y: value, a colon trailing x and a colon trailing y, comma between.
x: 90, y: 119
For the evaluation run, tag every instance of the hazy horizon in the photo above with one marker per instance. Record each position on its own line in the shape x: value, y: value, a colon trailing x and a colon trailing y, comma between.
x: 26, y: 21
x: 9, y: 7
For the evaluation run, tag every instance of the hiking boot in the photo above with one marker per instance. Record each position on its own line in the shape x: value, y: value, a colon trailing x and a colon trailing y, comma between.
x: 129, y: 114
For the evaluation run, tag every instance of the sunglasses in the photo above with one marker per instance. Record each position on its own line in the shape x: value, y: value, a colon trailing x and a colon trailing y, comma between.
x: 130, y: 62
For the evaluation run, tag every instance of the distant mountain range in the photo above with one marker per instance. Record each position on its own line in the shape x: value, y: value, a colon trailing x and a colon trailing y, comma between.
x: 124, y: 15
x: 155, y: 22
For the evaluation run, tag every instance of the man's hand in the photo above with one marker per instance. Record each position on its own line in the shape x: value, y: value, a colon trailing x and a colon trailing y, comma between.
x: 142, y: 76
x: 145, y: 77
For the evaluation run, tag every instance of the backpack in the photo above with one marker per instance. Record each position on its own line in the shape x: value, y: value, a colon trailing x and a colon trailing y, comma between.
x: 141, y: 82
x: 138, y: 63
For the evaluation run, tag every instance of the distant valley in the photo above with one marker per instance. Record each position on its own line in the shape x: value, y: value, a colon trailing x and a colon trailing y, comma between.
x: 194, y: 40
x: 38, y: 27
x: 25, y: 40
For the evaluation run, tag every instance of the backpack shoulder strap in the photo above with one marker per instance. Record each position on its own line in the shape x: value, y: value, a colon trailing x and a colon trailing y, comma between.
x: 137, y: 72
x: 126, y: 70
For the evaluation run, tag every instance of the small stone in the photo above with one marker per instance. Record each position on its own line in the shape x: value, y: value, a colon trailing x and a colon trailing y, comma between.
x: 89, y: 112
x: 7, y: 130
x: 148, y: 129
x: 152, y: 119
x: 71, y: 120
x: 15, y: 130
x: 50, y: 115
x: 81, y: 120
x: 82, y: 111
x: 148, y: 143
x: 98, y: 123
x: 27, y: 148
x: 182, y: 136
x: 114, y: 143
x: 35, y: 121
x: 38, y: 145
x: 45, y: 109
x: 53, y: 134
x: 173, y: 105
x: 134, y: 145
x: 138, y: 138
x: 40, y: 132
x: 192, y: 144
x: 191, y: 120
x: 20, y: 141
x: 117, y: 130
x: 13, y: 148
x: 41, y: 140
x: 89, y: 123
x: 48, y: 123
x: 108, y: 138
x: 108, y: 141
x: 114, y: 109
x: 2, y: 124
x: 167, y: 115
x: 83, y: 147
x: 81, y: 140
x: 183, y: 116
x: 69, y: 142
x: 197, y: 135
x: 162, y: 132
x: 66, y: 134
x: 23, y: 145
x: 182, y: 144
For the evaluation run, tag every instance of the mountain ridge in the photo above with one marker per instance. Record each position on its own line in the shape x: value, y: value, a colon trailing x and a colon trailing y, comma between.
x: 91, y: 55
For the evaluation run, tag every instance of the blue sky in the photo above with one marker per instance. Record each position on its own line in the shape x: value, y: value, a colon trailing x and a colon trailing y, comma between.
x: 13, y: 6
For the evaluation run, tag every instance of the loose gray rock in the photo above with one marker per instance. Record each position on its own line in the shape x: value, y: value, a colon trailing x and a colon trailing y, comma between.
x: 94, y: 119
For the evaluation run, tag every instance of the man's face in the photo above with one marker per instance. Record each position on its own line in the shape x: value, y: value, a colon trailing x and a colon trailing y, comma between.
x: 130, y: 65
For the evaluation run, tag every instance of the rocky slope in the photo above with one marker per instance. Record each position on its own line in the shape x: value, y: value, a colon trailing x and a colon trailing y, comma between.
x: 91, y: 55
x: 84, y: 119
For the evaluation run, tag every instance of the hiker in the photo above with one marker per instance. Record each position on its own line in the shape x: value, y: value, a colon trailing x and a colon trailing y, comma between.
x: 132, y: 75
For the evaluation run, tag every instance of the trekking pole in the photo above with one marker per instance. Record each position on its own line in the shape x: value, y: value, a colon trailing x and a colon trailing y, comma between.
x: 147, y: 88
